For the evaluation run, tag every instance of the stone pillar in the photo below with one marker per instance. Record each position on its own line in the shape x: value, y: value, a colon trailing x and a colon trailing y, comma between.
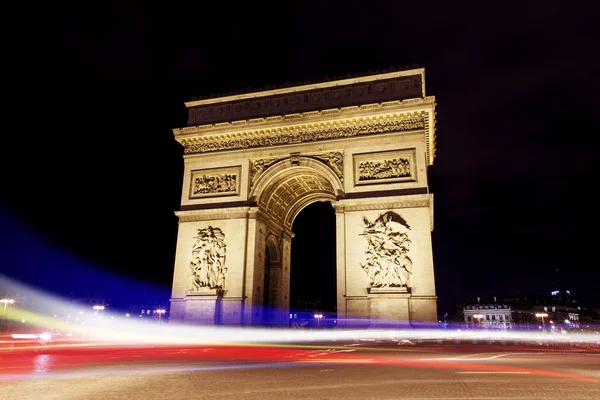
x: 285, y: 275
x: 249, y: 268
x: 340, y: 266
x: 190, y: 304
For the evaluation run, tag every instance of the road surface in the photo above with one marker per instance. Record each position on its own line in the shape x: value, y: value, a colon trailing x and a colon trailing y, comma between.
x: 325, y: 371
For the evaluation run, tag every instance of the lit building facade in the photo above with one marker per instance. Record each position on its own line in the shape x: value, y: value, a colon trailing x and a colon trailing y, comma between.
x: 488, y: 316
x: 555, y: 312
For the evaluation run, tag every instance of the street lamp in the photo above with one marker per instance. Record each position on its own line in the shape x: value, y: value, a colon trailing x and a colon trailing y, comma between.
x: 542, y: 316
x: 98, y: 308
x: 160, y: 312
x: 318, y: 317
x: 478, y: 317
x: 5, y: 302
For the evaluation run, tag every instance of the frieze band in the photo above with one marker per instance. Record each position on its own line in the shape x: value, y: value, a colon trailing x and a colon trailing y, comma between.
x: 409, y: 124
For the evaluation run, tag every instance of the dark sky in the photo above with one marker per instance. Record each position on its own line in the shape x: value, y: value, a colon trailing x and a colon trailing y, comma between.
x: 90, y: 169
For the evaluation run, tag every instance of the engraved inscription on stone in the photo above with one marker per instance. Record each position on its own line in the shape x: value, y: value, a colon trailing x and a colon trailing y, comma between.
x: 215, y: 182
x: 385, y: 167
x: 386, y: 257
x: 208, y: 259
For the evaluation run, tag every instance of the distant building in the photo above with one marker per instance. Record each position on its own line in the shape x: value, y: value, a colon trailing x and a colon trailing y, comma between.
x: 488, y: 315
x: 557, y: 311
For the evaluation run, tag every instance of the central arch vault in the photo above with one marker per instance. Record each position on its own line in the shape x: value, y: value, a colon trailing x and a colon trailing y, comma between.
x: 254, y: 161
x: 290, y: 185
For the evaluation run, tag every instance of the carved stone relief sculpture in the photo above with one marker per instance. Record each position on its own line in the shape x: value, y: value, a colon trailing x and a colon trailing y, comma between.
x: 214, y: 182
x: 386, y: 257
x: 385, y: 167
x: 208, y: 259
x: 335, y: 161
x: 392, y: 168
x: 257, y: 167
x: 193, y: 146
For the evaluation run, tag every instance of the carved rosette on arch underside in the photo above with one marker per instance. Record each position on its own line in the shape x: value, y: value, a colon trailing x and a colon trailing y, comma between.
x: 208, y: 260
x: 386, y: 257
x: 334, y: 160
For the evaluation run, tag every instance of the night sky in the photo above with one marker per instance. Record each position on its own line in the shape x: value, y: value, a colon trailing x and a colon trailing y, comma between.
x: 91, y: 173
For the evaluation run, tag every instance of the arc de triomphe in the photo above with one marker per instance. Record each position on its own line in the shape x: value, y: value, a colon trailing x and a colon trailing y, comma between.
x: 253, y: 161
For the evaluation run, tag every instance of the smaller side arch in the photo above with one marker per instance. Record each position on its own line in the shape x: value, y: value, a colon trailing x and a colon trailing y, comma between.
x: 274, y: 250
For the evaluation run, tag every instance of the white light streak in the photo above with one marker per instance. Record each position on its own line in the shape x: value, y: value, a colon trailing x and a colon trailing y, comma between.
x: 118, y: 328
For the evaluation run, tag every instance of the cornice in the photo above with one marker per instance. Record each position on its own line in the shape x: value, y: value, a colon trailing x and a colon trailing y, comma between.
x: 395, y: 116
x: 410, y: 201
x: 386, y: 203
x: 290, y: 120
x: 313, y: 86
x: 213, y: 214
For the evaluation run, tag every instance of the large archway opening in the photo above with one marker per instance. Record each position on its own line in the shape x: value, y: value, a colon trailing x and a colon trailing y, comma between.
x: 313, y: 267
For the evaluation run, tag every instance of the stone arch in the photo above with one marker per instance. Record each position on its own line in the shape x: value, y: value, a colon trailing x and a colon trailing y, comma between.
x: 289, y: 185
x: 253, y: 161
x: 274, y: 251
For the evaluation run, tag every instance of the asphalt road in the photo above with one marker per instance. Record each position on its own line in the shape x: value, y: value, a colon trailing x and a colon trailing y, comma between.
x: 350, y: 371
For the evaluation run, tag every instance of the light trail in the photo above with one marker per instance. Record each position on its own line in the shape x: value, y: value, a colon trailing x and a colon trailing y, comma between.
x: 111, y: 328
x: 21, y: 363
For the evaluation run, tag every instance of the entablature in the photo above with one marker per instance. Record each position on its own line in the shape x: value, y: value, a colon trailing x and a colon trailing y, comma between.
x: 411, y: 115
x: 397, y: 85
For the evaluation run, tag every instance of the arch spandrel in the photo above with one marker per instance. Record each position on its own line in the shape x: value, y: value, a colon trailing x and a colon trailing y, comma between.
x: 287, y: 186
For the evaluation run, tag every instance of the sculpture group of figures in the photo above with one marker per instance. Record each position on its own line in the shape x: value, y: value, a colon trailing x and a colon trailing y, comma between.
x: 214, y: 184
x: 208, y: 259
x: 387, y: 263
x: 394, y: 168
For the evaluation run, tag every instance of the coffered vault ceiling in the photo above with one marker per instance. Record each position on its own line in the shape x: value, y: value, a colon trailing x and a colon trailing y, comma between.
x: 292, y: 190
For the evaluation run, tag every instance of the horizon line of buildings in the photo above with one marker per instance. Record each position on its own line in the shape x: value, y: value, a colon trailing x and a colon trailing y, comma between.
x: 556, y: 312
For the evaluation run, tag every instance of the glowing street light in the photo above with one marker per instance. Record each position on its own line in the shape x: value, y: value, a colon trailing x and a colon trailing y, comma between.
x: 542, y: 316
x: 160, y: 312
x: 5, y: 302
x: 478, y: 317
x: 98, y: 308
x: 318, y: 317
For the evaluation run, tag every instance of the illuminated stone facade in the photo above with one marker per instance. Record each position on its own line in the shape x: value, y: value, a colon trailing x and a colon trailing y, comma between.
x: 254, y: 161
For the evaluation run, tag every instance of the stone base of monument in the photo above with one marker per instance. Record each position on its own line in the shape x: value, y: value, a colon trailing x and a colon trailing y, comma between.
x: 389, y: 307
x: 203, y: 306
